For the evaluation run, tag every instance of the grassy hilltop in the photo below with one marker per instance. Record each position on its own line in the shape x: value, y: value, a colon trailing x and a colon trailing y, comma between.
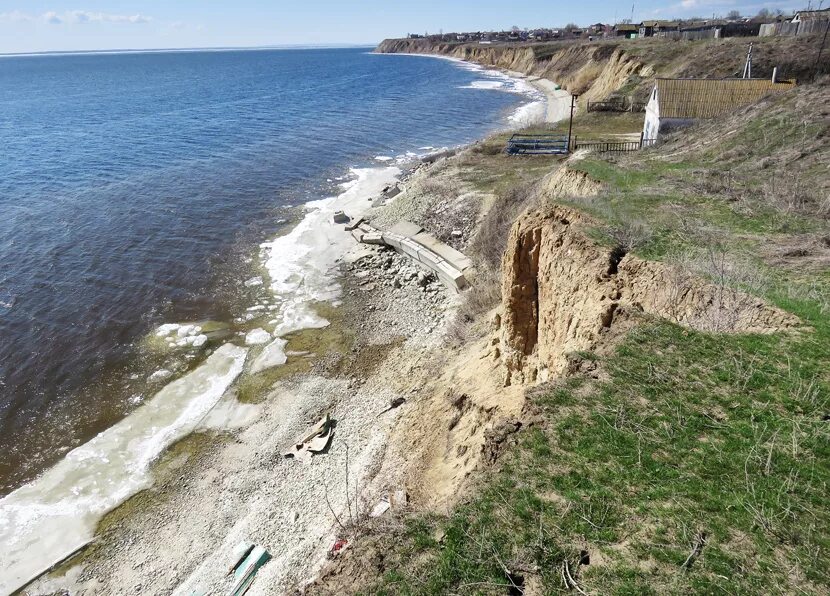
x: 670, y: 459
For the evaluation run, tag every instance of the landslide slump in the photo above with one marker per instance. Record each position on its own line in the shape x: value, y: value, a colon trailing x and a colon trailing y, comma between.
x: 562, y: 291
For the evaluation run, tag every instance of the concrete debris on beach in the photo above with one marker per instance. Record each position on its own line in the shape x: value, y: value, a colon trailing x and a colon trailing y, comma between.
x: 407, y: 238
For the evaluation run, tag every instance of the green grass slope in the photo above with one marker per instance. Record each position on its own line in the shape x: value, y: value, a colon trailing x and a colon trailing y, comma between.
x: 675, y: 461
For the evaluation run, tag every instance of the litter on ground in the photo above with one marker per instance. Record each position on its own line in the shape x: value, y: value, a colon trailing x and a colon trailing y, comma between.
x: 313, y: 441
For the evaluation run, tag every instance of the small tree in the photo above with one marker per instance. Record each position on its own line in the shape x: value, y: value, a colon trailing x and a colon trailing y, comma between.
x: 733, y: 15
x: 764, y: 13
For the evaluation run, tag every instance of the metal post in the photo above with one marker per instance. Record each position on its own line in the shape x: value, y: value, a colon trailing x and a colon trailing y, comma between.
x: 571, y: 122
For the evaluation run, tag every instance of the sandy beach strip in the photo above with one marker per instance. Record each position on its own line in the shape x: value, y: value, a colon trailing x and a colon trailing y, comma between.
x: 557, y: 99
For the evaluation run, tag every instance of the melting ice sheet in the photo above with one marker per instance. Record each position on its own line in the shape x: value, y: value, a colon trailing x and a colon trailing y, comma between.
x: 299, y: 263
x: 48, y: 519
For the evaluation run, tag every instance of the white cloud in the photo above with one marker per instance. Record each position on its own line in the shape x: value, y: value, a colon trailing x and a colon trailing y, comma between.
x: 52, y: 18
x: 84, y: 16
x: 15, y: 17
x: 74, y: 17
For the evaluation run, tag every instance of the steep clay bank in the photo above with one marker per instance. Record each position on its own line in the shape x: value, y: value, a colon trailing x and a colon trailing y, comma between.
x: 592, y: 70
x: 561, y: 292
x: 597, y: 70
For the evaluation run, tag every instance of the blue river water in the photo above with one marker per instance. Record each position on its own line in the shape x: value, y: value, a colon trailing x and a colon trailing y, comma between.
x: 133, y: 186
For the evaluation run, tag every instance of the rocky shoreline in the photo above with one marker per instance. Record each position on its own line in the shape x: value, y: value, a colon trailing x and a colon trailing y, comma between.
x: 218, y: 487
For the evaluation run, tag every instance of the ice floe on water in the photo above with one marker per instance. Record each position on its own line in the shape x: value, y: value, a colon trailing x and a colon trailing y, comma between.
x: 52, y: 516
x: 383, y: 158
x: 257, y: 337
x: 160, y: 375
x: 272, y: 355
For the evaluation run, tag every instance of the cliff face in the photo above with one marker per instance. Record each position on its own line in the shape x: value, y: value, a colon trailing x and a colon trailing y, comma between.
x: 562, y: 292
x: 592, y: 70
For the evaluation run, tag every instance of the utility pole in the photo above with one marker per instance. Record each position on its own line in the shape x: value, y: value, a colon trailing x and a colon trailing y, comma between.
x: 571, y: 121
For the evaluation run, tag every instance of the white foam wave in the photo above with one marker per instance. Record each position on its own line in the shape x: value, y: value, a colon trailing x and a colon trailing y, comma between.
x: 46, y: 520
x: 490, y: 84
x: 529, y: 113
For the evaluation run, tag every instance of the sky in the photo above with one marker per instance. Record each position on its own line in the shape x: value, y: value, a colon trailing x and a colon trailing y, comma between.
x: 77, y: 25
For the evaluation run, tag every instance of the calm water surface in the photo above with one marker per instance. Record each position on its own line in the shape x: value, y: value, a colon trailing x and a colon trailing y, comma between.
x: 134, y: 187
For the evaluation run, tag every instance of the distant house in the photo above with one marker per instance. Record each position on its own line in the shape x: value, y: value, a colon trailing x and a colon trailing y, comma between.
x: 811, y: 21
x: 658, y: 28
x: 675, y: 103
x: 701, y: 29
x: 626, y: 30
x: 811, y: 15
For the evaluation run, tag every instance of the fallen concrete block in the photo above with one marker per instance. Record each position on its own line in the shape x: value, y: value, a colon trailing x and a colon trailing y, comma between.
x: 340, y: 217
x: 393, y: 240
x: 451, y: 277
x: 411, y: 248
x: 373, y: 238
x: 429, y: 258
x: 358, y: 235
x: 457, y: 259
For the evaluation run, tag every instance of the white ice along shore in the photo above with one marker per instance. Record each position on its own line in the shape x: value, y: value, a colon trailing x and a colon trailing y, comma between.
x: 48, y: 519
x: 300, y: 263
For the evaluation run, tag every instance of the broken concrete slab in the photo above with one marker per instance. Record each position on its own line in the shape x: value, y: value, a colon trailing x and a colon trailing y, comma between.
x: 353, y: 224
x: 358, y: 235
x: 390, y: 192
x: 341, y: 218
x: 406, y: 228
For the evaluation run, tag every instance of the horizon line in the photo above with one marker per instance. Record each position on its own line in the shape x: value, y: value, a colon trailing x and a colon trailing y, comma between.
x: 189, y: 49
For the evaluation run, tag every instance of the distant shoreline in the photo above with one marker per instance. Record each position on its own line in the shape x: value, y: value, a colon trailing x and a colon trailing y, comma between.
x: 185, y: 50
